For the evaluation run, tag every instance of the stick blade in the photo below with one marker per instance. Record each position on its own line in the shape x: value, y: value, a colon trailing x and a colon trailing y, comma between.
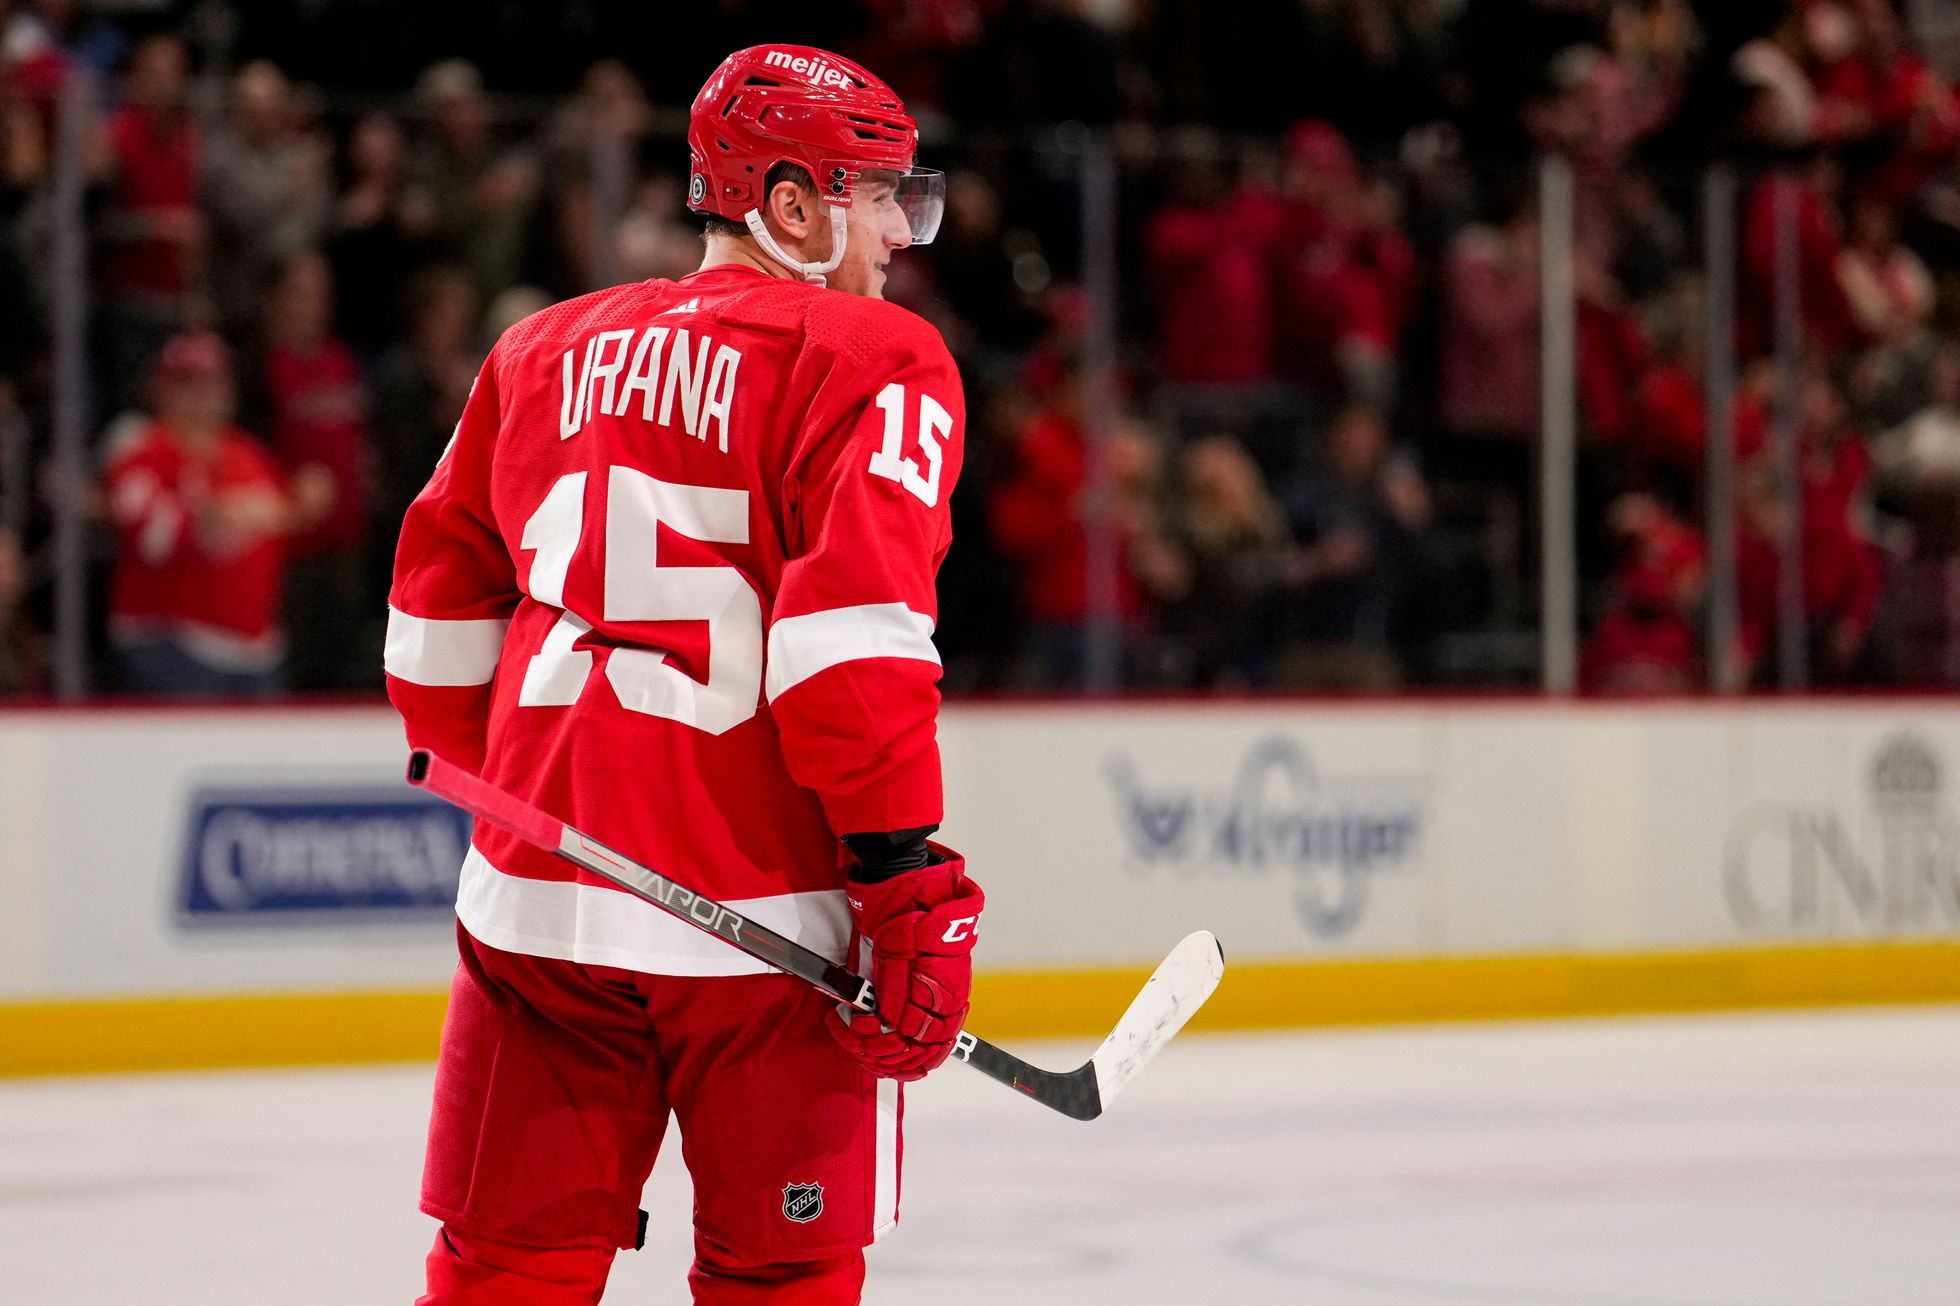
x: 1176, y: 989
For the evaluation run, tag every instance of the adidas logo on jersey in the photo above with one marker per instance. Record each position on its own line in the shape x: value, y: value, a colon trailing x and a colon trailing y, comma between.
x: 820, y: 71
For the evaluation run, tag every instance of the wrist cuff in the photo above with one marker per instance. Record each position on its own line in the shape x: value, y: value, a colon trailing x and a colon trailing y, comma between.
x: 881, y: 856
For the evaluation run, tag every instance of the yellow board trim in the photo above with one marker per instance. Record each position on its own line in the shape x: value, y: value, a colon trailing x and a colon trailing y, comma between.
x: 187, y: 1032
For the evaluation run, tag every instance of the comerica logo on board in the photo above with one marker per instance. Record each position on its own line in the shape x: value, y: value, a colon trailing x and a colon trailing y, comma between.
x: 1888, y: 866
x: 293, y: 852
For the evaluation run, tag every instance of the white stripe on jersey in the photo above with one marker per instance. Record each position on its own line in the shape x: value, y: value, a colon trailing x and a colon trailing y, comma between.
x: 800, y: 647
x: 431, y: 651
x: 599, y: 926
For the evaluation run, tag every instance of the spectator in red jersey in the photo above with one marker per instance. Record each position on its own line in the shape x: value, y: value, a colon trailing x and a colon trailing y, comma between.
x: 266, y: 189
x: 1345, y: 271
x: 1841, y: 586
x: 201, y: 512
x: 1038, y: 518
x: 153, y: 233
x: 1841, y: 573
x: 1875, y: 93
x: 1646, y: 642
x: 1612, y: 351
x: 1668, y: 418
x: 1837, y: 464
x: 1827, y: 318
x: 1207, y: 251
x: 315, y: 418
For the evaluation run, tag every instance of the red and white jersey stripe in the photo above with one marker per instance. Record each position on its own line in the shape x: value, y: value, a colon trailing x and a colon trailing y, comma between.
x: 673, y: 582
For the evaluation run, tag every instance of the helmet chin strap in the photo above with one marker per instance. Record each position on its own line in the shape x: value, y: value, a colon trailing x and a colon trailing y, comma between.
x: 811, y: 272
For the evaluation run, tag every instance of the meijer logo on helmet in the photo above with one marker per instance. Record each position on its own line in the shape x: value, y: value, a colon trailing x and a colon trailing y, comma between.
x: 819, y: 71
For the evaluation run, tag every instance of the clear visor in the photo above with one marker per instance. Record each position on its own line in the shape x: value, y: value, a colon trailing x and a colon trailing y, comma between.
x: 921, y: 193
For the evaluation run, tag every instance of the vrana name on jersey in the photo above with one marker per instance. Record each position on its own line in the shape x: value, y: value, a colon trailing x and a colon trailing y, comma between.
x: 667, y: 364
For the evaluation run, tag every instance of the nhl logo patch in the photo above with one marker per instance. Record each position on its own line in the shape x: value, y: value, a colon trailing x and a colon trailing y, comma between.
x: 802, y: 1203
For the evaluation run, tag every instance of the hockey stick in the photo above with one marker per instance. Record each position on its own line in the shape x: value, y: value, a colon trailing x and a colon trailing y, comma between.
x: 1176, y: 989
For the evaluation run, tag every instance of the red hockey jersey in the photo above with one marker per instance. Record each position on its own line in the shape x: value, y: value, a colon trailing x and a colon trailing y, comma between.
x: 222, y: 600
x: 673, y: 582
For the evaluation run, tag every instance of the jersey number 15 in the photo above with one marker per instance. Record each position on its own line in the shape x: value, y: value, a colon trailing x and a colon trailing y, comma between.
x: 637, y: 588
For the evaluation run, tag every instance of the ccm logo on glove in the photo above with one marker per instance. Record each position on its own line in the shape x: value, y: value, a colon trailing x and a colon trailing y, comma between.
x: 921, y: 925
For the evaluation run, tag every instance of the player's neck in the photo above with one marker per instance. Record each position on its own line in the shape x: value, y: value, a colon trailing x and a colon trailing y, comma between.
x: 742, y: 251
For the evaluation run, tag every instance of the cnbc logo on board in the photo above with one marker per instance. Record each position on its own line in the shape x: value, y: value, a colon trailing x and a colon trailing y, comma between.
x: 1887, y: 865
x: 1280, y: 815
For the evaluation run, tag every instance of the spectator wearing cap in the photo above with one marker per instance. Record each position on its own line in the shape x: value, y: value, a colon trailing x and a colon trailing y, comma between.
x: 201, y: 513
x: 482, y: 195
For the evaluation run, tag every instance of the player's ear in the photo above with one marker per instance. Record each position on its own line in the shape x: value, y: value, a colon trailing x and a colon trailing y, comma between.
x: 792, y: 209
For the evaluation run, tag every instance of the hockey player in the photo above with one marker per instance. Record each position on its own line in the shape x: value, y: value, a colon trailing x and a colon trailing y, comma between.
x: 673, y: 582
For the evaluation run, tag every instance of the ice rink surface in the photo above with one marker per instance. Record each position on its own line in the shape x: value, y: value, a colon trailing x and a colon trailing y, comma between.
x: 1760, y: 1160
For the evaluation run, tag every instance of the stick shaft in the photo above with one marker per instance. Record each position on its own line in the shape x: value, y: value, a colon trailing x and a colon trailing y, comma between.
x: 505, y: 810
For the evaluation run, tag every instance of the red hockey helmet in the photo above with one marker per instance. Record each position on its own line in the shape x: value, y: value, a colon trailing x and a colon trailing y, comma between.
x: 773, y: 104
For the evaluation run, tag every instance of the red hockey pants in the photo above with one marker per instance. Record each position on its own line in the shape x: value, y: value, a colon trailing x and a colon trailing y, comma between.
x: 553, y: 1092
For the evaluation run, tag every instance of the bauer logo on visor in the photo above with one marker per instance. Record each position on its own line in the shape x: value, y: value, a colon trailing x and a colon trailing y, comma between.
x: 802, y: 1203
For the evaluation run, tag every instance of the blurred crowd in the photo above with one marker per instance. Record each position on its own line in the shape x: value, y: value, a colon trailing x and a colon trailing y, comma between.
x: 1310, y: 463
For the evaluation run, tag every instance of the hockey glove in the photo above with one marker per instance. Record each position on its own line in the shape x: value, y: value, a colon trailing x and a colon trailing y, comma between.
x: 921, y: 925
